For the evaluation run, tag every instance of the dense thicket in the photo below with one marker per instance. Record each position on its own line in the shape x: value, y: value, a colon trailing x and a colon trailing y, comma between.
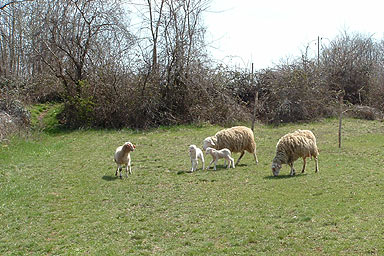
x: 145, y: 64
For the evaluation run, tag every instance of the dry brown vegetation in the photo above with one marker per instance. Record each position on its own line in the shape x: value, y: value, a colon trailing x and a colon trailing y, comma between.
x: 108, y: 73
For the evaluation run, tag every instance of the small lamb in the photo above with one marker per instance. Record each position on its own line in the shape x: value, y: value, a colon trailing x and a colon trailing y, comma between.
x: 123, y: 157
x: 195, y: 153
x: 218, y: 154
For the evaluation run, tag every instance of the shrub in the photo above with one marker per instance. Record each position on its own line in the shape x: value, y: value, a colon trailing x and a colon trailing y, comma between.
x: 13, y: 115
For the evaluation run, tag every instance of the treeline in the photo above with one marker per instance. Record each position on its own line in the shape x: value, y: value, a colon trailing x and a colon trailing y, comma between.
x: 145, y: 63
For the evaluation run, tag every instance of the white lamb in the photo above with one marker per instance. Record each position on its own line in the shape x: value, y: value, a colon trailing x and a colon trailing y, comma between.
x: 301, y: 143
x: 218, y: 154
x: 123, y: 157
x: 195, y: 153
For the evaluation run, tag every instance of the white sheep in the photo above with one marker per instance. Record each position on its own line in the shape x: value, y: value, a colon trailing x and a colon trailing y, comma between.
x: 236, y: 139
x: 195, y: 153
x: 290, y: 147
x: 218, y: 154
x: 123, y: 157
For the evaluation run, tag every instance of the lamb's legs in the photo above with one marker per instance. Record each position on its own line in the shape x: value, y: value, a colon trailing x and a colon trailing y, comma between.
x: 317, y: 165
x: 193, y: 165
x: 126, y: 171
x: 241, y: 155
x: 202, y: 160
x: 213, y: 160
x: 119, y: 168
x: 233, y: 162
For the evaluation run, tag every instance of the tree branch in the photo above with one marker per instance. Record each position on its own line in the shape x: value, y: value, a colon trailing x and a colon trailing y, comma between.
x: 13, y: 2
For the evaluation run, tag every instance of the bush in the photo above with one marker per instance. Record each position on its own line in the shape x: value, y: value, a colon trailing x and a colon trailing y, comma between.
x: 144, y: 101
x: 365, y: 112
x: 13, y: 115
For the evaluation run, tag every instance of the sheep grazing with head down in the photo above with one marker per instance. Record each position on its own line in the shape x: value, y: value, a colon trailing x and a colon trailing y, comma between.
x: 195, y: 153
x: 237, y: 139
x: 218, y: 154
x: 123, y: 157
x: 301, y: 143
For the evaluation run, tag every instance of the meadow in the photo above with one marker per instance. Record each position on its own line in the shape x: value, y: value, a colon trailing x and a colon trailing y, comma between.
x: 59, y: 195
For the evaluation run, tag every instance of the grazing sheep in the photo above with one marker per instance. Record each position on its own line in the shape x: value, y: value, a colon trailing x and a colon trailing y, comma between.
x: 218, y: 154
x: 123, y: 157
x: 236, y: 139
x: 195, y: 153
x: 301, y: 143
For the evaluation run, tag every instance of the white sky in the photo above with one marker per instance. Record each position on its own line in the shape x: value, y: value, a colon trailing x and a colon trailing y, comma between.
x: 242, y: 32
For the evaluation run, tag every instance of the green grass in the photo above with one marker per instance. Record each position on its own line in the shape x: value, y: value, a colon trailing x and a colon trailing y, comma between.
x: 59, y: 195
x: 44, y: 116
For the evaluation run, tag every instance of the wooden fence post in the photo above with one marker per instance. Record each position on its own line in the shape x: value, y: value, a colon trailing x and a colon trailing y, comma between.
x: 340, y: 116
x: 256, y: 103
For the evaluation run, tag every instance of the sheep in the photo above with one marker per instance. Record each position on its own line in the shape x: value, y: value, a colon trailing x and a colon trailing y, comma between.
x: 195, y: 153
x: 290, y: 147
x: 218, y: 154
x: 123, y: 157
x: 236, y: 139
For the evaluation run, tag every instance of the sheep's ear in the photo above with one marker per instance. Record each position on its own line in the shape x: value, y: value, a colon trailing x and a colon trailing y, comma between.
x: 213, y: 143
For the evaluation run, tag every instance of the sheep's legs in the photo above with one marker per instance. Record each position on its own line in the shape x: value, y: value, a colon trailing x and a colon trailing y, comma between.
x: 304, y: 164
x: 241, y: 155
x: 293, y: 172
x: 317, y: 165
x: 255, y: 156
x: 202, y: 160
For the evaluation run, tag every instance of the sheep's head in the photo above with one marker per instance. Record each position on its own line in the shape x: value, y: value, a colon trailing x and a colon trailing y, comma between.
x: 129, y: 146
x: 208, y: 142
x: 276, y: 167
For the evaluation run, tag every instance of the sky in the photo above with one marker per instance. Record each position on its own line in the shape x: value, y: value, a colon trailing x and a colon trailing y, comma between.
x: 241, y: 32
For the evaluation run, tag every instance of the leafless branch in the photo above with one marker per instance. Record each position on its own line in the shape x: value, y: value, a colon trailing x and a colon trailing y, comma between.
x: 13, y: 2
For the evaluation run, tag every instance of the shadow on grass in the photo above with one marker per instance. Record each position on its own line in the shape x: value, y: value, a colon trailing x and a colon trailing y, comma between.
x: 218, y: 168
x: 110, y: 178
x: 287, y: 176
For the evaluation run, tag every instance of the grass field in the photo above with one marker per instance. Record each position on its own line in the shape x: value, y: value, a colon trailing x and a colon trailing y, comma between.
x: 59, y: 195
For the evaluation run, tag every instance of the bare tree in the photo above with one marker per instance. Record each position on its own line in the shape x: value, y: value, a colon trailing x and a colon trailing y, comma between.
x: 77, y: 32
x: 348, y: 65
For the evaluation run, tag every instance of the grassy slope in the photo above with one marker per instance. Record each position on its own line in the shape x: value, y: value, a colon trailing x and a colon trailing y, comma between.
x: 58, y: 195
